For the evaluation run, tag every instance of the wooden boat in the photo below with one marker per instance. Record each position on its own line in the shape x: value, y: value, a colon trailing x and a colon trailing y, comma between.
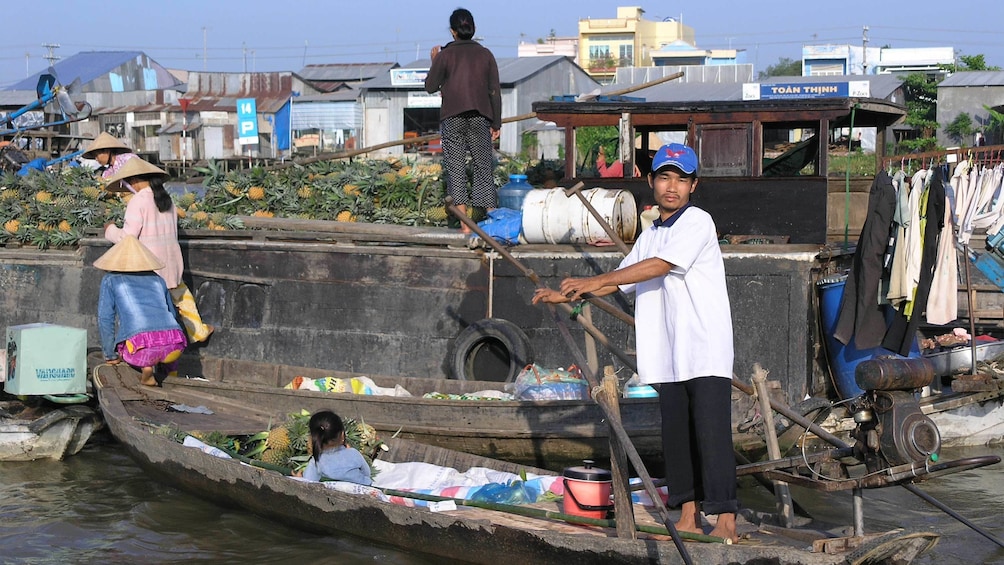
x: 467, y: 534
x: 543, y: 433
x: 55, y: 432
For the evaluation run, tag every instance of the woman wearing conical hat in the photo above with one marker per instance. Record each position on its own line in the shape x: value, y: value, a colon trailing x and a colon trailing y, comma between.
x: 150, y: 216
x: 109, y: 152
x: 136, y: 316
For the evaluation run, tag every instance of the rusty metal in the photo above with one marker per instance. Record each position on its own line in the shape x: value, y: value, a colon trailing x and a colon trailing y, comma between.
x: 894, y: 374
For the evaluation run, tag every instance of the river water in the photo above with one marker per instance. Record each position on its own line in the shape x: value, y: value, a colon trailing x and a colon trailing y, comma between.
x: 99, y: 507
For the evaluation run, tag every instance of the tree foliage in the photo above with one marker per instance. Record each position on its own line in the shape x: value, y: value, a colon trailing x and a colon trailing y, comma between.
x: 921, y: 94
x: 784, y: 67
x: 960, y: 128
x: 976, y: 63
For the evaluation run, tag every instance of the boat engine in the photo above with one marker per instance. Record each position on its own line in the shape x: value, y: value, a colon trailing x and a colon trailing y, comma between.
x: 891, y: 429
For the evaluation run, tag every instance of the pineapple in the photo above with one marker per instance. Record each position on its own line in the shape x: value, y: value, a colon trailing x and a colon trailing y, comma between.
x: 351, y: 190
x: 44, y: 226
x: 278, y: 439
x: 305, y: 191
x: 91, y: 192
x: 200, y: 216
x: 64, y: 226
x: 12, y: 226
x: 8, y: 194
x: 186, y: 200
x: 232, y: 188
x: 43, y: 196
x: 263, y: 214
x: 437, y: 214
x: 389, y: 178
x: 345, y: 216
x: 256, y: 193
x: 275, y: 456
x: 181, y: 212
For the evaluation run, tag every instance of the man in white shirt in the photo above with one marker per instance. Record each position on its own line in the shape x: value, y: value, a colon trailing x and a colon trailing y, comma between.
x: 683, y: 330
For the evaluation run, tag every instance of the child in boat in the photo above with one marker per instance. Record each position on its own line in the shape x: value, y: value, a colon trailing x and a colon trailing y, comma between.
x: 109, y: 152
x: 136, y: 317
x: 332, y: 459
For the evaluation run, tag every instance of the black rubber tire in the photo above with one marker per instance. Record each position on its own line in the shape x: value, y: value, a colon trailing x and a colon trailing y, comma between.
x: 492, y: 349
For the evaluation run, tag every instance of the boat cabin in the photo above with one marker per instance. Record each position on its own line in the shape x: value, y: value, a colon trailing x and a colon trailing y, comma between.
x: 762, y: 163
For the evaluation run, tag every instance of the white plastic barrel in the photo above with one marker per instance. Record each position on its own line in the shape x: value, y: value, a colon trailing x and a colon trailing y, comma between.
x: 551, y: 217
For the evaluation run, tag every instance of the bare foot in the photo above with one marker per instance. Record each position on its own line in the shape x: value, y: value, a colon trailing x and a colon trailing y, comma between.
x: 147, y: 378
x: 726, y: 527
x: 690, y: 519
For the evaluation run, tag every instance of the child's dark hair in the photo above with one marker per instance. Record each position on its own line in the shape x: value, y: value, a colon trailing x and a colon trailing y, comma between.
x: 462, y: 22
x: 325, y: 427
x: 160, y: 196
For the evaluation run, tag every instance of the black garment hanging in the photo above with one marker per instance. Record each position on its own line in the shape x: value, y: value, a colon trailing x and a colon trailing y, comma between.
x: 861, y: 315
x: 903, y: 331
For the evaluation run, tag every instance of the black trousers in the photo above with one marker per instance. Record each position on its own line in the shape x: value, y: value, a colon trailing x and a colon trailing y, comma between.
x: 697, y: 443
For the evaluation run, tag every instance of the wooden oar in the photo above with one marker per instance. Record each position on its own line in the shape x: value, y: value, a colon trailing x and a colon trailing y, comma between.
x: 550, y: 514
x: 615, y: 425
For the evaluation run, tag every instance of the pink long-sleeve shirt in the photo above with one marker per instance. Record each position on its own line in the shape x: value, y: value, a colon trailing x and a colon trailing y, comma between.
x: 157, y: 230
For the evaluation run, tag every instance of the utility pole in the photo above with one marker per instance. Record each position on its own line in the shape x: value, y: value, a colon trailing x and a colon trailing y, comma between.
x: 244, y: 54
x: 864, y: 50
x: 27, y: 57
x: 51, y: 57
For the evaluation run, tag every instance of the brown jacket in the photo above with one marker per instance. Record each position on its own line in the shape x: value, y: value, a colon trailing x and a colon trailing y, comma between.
x: 468, y: 76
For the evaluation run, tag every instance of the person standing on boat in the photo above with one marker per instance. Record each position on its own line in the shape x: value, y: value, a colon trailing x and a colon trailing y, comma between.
x: 151, y: 217
x: 109, y: 152
x: 330, y: 457
x: 466, y: 74
x: 136, y: 316
x: 684, y: 339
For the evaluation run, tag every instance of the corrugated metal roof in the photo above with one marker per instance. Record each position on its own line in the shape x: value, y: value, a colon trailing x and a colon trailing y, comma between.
x: 882, y: 87
x: 512, y: 70
x: 17, y: 98
x: 219, y: 91
x: 974, y: 78
x: 347, y: 72
x: 89, y: 66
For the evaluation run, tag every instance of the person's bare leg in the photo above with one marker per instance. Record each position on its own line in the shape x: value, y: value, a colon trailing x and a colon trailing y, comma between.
x: 726, y: 527
x: 690, y: 519
x: 463, y: 227
x: 147, y: 378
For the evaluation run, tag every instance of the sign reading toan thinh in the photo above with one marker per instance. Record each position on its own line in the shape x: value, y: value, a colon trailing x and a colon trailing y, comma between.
x: 247, y: 121
x: 790, y: 91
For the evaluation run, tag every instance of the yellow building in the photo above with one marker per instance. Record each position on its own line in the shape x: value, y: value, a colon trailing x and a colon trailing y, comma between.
x: 626, y: 41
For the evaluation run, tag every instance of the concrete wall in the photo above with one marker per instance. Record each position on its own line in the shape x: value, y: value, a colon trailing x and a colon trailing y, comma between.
x: 955, y: 100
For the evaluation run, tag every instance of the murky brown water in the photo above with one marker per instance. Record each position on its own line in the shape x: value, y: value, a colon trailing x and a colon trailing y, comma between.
x: 99, y: 507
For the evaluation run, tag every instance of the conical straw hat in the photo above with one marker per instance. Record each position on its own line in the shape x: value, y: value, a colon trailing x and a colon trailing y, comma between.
x: 104, y: 141
x: 135, y: 167
x: 128, y: 256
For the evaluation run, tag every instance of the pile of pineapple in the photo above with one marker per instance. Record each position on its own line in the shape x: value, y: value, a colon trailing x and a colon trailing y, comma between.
x: 287, y: 446
x: 54, y: 209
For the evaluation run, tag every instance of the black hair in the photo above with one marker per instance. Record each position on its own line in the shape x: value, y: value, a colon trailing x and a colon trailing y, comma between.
x: 462, y: 22
x: 325, y: 427
x: 160, y: 196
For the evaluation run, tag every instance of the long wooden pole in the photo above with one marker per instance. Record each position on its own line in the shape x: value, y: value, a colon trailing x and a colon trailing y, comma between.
x: 433, y: 136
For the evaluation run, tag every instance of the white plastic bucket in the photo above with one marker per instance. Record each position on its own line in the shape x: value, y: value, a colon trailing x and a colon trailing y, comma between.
x: 551, y: 217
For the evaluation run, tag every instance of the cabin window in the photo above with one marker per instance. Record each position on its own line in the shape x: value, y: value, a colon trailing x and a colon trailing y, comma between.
x: 790, y: 150
x: 724, y: 151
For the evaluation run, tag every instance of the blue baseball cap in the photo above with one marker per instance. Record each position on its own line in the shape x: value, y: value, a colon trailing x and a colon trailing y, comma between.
x: 677, y: 155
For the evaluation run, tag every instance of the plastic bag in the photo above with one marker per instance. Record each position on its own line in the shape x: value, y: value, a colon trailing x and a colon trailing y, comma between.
x: 537, y: 383
x: 516, y: 492
x: 503, y: 225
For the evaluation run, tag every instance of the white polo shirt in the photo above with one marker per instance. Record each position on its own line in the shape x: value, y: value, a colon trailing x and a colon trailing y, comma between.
x: 683, y: 321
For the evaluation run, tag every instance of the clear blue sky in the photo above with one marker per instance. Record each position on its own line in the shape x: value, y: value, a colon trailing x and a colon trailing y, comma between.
x: 270, y: 36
